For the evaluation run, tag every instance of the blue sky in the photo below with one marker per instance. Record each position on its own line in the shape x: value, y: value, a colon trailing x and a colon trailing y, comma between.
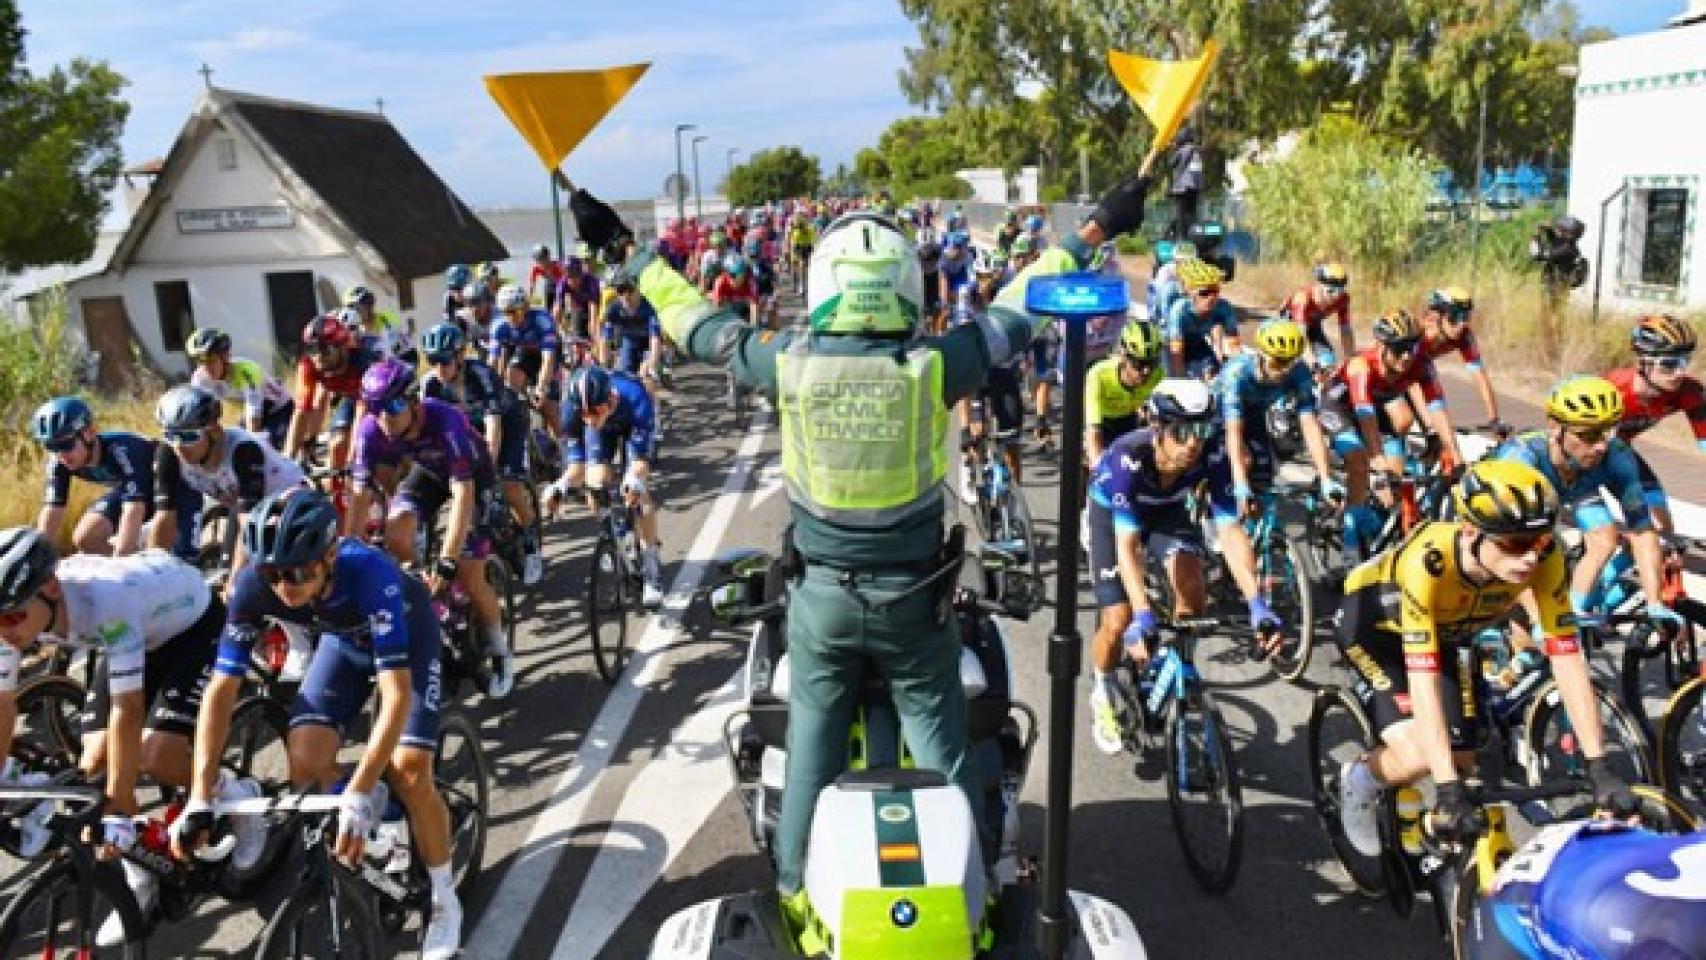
x: 752, y: 74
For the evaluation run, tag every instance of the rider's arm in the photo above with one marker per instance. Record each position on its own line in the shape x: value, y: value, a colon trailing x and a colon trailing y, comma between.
x: 1093, y: 416
x: 1309, y: 421
x: 1175, y: 333
x: 1694, y: 407
x: 1228, y: 325
x: 308, y: 400
x: 1551, y: 591
x: 1470, y: 351
x: 1357, y: 377
x: 163, y: 532
x: 54, y: 497
x: 549, y: 347
x: 1232, y: 416
x: 126, y: 663
x: 1423, y: 661
x: 1347, y: 333
x: 363, y: 462
x: 1438, y: 413
x: 1128, y: 543
x: 654, y: 337
x: 136, y: 490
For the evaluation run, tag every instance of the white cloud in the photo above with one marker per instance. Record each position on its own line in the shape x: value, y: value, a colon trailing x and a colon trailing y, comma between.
x: 250, y: 40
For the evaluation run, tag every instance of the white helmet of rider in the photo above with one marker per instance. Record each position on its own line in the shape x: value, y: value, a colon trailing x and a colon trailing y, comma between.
x: 350, y: 317
x: 511, y: 298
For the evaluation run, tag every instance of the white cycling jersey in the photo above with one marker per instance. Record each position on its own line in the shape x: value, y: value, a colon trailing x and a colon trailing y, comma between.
x: 122, y: 607
x: 221, y: 484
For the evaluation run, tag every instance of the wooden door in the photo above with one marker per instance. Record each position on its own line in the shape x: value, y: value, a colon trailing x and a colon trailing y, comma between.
x: 108, y: 330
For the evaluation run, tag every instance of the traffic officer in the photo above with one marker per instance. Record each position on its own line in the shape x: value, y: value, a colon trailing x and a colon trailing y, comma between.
x: 863, y: 400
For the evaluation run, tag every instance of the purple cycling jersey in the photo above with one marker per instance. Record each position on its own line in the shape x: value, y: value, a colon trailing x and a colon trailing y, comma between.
x: 444, y: 444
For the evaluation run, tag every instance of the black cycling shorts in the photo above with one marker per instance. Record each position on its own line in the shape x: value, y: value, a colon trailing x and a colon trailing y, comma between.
x: 1160, y: 544
x: 1003, y: 396
x: 173, y: 678
x: 1382, y: 686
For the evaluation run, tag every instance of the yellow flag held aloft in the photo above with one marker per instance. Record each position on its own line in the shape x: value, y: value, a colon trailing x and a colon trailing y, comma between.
x: 1165, y: 90
x: 555, y: 111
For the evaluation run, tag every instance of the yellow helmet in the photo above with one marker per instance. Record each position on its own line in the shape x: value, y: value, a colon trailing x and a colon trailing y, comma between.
x: 1280, y: 339
x: 1195, y: 274
x: 1332, y: 274
x: 1447, y: 299
x: 1585, y: 401
x: 1505, y: 497
x: 1140, y: 340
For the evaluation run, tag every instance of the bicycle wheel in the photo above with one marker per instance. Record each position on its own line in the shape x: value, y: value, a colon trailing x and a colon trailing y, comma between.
x: 49, y: 708
x: 464, y: 776
x: 57, y: 914
x: 1021, y: 528
x: 736, y: 397
x: 1203, y: 792
x: 607, y: 610
x: 255, y: 743
x: 1551, y: 750
x: 311, y: 924
x: 1287, y: 585
x: 1682, y: 745
x: 1339, y: 732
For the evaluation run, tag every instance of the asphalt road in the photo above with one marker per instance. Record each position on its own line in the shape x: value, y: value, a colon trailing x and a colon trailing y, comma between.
x: 611, y: 806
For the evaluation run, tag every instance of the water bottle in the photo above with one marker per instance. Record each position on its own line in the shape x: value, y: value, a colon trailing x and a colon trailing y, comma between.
x: 1409, y: 801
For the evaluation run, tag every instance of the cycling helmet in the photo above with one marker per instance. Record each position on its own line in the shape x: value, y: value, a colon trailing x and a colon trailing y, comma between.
x: 60, y: 418
x: 718, y: 237
x: 956, y: 220
x: 291, y: 528
x: 1195, y: 274
x: 1569, y: 227
x: 488, y: 270
x: 1506, y: 497
x: 864, y: 277
x: 1447, y: 299
x: 737, y: 266
x: 909, y: 216
x: 1034, y: 223
x: 583, y: 250
x: 617, y: 280
x: 1662, y: 335
x: 511, y: 298
x: 1280, y: 339
x: 206, y: 341
x: 358, y: 294
x: 1585, y: 401
x: 1021, y: 245
x: 476, y: 293
x: 590, y: 387
x: 955, y: 240
x: 26, y: 561
x: 1332, y: 274
x: 1140, y: 340
x: 386, y: 380
x: 541, y: 252
x: 1010, y: 215
x: 350, y: 317
x: 443, y: 339
x: 457, y: 276
x: 754, y: 247
x: 1396, y: 328
x: 187, y: 407
x: 983, y: 263
x: 1182, y: 400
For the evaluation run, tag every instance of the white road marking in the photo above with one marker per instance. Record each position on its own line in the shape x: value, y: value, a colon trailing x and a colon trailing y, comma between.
x: 771, y: 481
x: 537, y: 857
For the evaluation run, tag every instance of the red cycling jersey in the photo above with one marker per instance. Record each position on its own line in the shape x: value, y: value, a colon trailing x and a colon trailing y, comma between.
x: 1641, y: 414
x: 1434, y: 347
x: 1371, y: 387
x: 1302, y: 308
x: 726, y: 290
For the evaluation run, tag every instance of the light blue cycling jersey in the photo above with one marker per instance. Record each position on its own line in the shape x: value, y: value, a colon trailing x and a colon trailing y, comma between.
x: 1244, y: 394
x: 1617, y: 474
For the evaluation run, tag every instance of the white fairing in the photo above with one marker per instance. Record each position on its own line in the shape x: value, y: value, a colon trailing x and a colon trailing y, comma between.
x: 1104, y: 930
x: 688, y: 934
x: 846, y: 857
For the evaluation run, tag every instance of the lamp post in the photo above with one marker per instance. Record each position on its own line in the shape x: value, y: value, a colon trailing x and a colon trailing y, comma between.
x: 698, y: 201
x: 729, y: 168
x: 681, y: 195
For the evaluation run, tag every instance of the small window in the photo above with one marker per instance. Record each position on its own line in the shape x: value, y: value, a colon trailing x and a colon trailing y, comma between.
x: 1655, y: 239
x: 177, y: 320
x: 405, y: 295
x: 225, y: 150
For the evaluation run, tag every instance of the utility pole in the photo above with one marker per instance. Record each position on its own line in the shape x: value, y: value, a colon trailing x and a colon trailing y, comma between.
x: 680, y: 194
x: 698, y: 199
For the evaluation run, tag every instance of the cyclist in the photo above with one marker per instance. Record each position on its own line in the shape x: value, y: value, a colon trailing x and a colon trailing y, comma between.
x: 544, y: 278
x: 1202, y: 328
x: 1583, y: 460
x: 631, y: 330
x: 736, y: 288
x: 1249, y: 385
x: 267, y: 406
x: 456, y: 278
x: 1164, y: 288
x: 329, y: 372
x: 577, y: 298
x: 954, y: 272
x: 1356, y: 411
x: 1117, y: 387
x: 1035, y: 226
x: 613, y: 409
x: 1139, y: 497
x: 711, y: 259
x: 1655, y: 386
x: 113, y: 524
x: 376, y: 628
x: 1311, y: 306
x: 1002, y: 397
x: 476, y: 317
x: 868, y: 516
x: 198, y: 457
x: 929, y: 247
x: 1445, y: 328
x: 471, y: 386
x: 380, y: 326
x: 524, y: 347
x: 1407, y: 626
x: 155, y: 625
x: 764, y: 275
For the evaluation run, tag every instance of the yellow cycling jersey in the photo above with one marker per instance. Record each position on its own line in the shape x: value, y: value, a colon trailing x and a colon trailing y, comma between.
x: 802, y: 235
x: 1427, y: 600
x: 1107, y: 399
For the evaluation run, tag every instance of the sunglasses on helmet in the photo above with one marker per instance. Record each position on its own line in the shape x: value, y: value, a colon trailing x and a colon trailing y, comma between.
x: 184, y: 436
x: 295, y: 576
x: 1520, y: 544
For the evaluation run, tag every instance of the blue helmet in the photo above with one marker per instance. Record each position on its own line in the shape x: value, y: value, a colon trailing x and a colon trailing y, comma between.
x: 590, y: 387
x: 1034, y: 222
x: 737, y: 266
x: 291, y: 528
x: 457, y: 276
x: 443, y: 339
x: 59, y: 418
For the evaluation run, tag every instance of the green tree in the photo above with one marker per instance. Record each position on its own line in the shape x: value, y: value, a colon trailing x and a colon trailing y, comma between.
x: 59, y: 152
x: 774, y: 175
x: 871, y: 167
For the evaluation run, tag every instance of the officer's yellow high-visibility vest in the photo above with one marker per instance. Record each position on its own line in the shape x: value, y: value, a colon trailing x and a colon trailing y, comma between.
x: 864, y: 438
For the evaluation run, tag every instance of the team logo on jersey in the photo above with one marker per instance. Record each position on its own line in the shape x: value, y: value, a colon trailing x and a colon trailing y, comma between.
x: 1688, y: 884
x: 382, y: 623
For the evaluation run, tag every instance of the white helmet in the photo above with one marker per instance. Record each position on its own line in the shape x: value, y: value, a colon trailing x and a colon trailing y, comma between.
x: 1181, y: 400
x: 864, y: 277
x: 350, y: 317
x: 511, y: 297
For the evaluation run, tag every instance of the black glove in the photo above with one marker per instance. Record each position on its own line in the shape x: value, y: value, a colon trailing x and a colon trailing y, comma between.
x: 600, y: 227
x: 1610, y: 793
x: 1121, y: 209
x: 1454, y: 818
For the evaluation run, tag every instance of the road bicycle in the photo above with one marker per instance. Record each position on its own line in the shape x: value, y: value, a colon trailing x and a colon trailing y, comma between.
x: 615, y: 583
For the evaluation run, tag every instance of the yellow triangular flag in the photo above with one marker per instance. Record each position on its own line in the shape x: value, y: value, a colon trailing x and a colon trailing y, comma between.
x: 555, y: 111
x: 1165, y: 90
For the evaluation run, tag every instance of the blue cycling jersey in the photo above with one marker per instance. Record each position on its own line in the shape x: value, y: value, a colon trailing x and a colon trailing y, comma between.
x: 126, y: 464
x: 479, y: 394
x: 1242, y: 389
x: 1185, y: 325
x: 371, y: 604
x: 508, y: 342
x: 638, y: 325
x: 1618, y: 474
x: 1596, y: 890
x: 1126, y: 482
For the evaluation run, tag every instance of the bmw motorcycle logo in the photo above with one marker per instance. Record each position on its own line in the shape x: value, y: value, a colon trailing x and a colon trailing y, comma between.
x: 904, y: 913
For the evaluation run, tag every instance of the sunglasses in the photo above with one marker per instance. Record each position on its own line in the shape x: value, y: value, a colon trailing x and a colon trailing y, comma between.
x: 1592, y: 435
x: 1521, y: 544
x: 394, y: 406
x: 62, y: 445
x: 440, y: 359
x: 14, y: 616
x: 1140, y: 367
x: 1181, y: 432
x: 185, y: 436
x: 1458, y: 314
x: 1673, y: 364
x: 1206, y: 292
x: 1333, y: 289
x: 295, y: 576
x: 1403, y: 349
